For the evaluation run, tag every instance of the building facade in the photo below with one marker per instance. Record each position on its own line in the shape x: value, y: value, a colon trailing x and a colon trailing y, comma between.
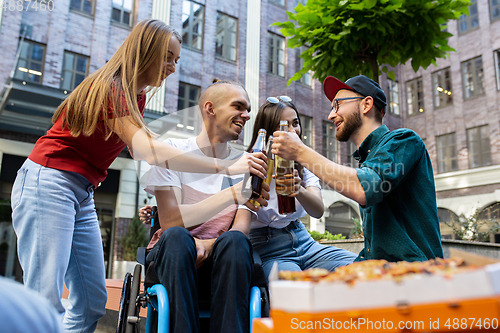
x: 46, y: 53
x: 454, y: 107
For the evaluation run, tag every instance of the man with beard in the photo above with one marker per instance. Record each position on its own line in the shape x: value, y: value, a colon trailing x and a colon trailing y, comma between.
x: 199, y: 250
x: 394, y: 183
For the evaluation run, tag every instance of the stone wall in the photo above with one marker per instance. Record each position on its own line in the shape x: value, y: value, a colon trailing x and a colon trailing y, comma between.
x: 484, y: 249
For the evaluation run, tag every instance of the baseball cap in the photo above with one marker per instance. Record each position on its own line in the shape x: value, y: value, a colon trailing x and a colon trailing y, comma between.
x: 360, y: 84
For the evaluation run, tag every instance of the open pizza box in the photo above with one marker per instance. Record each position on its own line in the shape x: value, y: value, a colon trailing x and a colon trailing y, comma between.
x: 318, y: 297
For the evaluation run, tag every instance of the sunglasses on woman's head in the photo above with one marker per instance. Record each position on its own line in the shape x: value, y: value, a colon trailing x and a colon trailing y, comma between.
x: 276, y: 100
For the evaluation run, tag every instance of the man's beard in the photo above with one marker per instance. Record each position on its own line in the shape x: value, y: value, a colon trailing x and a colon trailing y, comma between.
x: 350, y: 124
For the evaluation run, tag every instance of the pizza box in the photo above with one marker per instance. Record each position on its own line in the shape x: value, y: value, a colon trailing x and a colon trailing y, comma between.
x: 317, y: 297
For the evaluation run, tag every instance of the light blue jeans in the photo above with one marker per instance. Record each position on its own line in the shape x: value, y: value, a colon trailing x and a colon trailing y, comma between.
x: 294, y: 249
x: 59, y: 242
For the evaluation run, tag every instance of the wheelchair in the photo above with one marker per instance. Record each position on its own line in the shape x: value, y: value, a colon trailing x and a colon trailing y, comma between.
x: 155, y: 296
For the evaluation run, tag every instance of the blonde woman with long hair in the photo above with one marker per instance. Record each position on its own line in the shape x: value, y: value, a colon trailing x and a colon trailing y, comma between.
x: 59, y: 240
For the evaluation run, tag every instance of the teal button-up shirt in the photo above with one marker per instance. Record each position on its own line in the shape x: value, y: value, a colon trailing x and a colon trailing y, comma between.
x: 400, y: 220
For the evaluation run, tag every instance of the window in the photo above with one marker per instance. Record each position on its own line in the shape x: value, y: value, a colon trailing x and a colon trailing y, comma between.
x: 496, y: 55
x: 276, y: 60
x: 278, y: 2
x: 492, y: 212
x: 441, y: 88
x: 75, y: 69
x: 329, y: 141
x: 188, y: 102
x: 226, y: 38
x: 447, y: 153
x: 471, y: 21
x: 122, y: 11
x: 415, y: 96
x: 192, y: 24
x: 307, y: 125
x: 82, y: 5
x: 472, y: 77
x: 494, y: 9
x: 478, y: 143
x: 350, y: 160
x: 393, y: 97
x: 307, y: 77
x: 31, y: 60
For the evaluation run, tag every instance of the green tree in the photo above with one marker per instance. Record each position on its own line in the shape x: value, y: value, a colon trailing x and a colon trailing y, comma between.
x: 351, y: 37
x: 136, y: 236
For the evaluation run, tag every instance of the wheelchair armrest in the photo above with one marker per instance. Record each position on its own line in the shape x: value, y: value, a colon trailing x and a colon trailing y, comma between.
x: 141, y: 255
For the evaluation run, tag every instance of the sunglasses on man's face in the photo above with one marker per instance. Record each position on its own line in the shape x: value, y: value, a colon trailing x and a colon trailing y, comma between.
x: 276, y: 100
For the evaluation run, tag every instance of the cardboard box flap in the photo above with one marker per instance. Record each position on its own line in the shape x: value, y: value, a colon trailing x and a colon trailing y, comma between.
x: 471, y: 258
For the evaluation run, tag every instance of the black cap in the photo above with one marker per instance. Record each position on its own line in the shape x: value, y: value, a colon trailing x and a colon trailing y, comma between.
x: 360, y: 84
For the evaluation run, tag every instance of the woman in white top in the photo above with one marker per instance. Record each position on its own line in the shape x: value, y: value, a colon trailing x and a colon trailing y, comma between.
x: 283, y: 238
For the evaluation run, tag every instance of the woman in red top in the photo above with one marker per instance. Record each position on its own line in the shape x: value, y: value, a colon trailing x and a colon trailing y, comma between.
x: 59, y: 240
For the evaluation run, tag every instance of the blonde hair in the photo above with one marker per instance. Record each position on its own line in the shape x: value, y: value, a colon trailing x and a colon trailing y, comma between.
x: 104, y: 89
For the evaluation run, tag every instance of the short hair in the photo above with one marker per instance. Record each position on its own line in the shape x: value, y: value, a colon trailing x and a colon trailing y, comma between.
x: 215, y: 84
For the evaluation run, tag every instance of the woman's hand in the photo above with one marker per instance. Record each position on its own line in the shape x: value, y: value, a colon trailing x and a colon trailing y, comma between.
x: 254, y: 163
x: 145, y: 214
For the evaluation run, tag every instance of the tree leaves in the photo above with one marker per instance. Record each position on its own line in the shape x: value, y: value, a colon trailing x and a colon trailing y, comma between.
x: 349, y: 37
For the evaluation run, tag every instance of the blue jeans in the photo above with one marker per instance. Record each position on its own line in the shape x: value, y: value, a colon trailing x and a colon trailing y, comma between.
x: 23, y: 310
x: 294, y: 249
x: 224, y: 279
x: 59, y: 242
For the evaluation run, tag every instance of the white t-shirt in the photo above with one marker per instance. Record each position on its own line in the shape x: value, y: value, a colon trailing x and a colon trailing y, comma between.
x: 270, y: 217
x: 195, y: 188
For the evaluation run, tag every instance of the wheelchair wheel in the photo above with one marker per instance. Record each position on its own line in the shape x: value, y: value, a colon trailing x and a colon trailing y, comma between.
x: 132, y: 321
x: 124, y: 300
x: 264, y: 301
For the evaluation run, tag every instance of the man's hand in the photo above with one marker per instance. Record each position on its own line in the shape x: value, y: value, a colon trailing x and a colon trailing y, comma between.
x: 145, y: 214
x: 287, y: 145
x: 244, y: 200
x: 298, y: 183
x: 203, y: 248
x: 254, y: 163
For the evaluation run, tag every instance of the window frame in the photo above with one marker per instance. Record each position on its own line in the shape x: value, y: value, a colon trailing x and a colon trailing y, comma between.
x: 475, y: 78
x: 496, y: 57
x: 80, y: 10
x: 329, y: 132
x: 278, y: 3
x: 226, y: 37
x: 191, y: 19
x: 467, y: 19
x: 451, y: 153
x: 305, y: 79
x: 273, y: 53
x: 493, y: 19
x: 484, y: 148
x: 307, y: 125
x: 393, y: 89
x: 74, y: 72
x: 438, y: 98
x: 121, y: 23
x: 184, y: 117
x: 29, y: 61
x: 350, y: 160
x: 417, y: 96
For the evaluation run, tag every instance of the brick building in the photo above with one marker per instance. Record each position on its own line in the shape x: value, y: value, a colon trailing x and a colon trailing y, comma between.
x: 46, y: 53
x: 454, y: 107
